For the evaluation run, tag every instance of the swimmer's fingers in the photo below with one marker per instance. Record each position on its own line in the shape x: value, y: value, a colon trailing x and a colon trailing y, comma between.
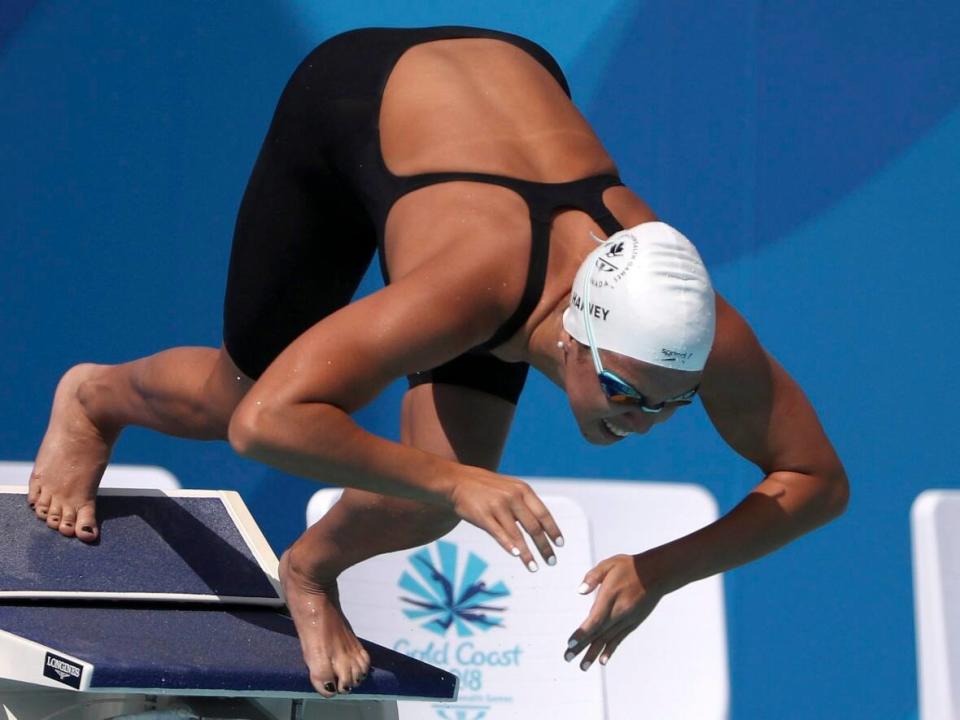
x: 502, y: 528
x: 531, y: 524
x: 542, y: 523
x: 604, y: 645
x: 616, y: 637
x: 597, y: 620
x: 622, y: 603
x: 517, y: 544
x: 496, y: 504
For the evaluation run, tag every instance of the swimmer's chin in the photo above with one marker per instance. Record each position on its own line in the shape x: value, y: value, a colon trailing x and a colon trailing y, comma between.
x: 597, y: 434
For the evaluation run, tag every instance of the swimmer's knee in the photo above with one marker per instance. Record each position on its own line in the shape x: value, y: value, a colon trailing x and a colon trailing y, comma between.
x: 444, y: 524
x: 430, y: 521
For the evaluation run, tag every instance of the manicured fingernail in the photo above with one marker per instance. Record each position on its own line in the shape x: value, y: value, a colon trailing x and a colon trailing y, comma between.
x: 559, y: 541
x: 515, y: 552
x: 572, y: 644
x: 585, y: 665
x: 603, y: 659
x: 329, y: 687
x: 568, y: 656
x: 552, y: 560
x: 583, y: 588
x: 532, y: 566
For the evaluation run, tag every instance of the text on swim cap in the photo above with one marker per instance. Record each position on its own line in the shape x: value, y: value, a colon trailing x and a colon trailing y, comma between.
x: 597, y: 311
x: 674, y: 355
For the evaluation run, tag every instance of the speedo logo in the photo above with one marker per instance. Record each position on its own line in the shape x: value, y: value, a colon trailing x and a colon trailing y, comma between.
x: 674, y: 355
x: 62, y: 670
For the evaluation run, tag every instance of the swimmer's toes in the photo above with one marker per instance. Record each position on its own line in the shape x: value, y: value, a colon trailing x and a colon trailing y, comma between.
x: 86, y: 523
x: 346, y: 679
x: 68, y: 522
x: 358, y: 670
x: 42, y: 505
x: 323, y: 678
x: 54, y: 514
x: 33, y: 489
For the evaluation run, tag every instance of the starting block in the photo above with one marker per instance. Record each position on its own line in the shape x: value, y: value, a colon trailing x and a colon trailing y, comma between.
x: 177, y: 609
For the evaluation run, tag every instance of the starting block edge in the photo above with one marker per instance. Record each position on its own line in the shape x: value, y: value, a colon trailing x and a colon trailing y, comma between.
x: 24, y: 660
x: 254, y: 538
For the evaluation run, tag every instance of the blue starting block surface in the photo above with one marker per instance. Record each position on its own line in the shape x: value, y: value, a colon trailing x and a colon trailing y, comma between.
x: 190, y: 547
x: 179, y: 597
x: 196, y: 650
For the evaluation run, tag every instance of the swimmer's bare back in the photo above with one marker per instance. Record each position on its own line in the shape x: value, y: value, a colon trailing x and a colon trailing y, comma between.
x: 487, y: 106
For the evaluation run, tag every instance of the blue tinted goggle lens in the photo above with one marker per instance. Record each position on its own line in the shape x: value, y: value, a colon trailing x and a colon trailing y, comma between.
x: 619, y: 391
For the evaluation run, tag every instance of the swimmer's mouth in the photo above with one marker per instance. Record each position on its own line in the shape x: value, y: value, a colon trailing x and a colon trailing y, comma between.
x: 614, y: 431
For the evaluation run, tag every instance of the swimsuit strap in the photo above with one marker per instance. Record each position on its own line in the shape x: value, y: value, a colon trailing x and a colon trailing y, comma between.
x: 543, y: 201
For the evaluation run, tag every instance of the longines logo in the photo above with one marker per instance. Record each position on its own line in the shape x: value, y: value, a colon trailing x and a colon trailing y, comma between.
x: 62, y: 670
x: 447, y: 596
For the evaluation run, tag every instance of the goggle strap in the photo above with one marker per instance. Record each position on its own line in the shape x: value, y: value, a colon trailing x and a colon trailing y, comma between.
x: 585, y: 303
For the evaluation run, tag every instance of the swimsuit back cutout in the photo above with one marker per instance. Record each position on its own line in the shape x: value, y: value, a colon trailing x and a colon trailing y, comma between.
x: 357, y: 66
x: 543, y: 200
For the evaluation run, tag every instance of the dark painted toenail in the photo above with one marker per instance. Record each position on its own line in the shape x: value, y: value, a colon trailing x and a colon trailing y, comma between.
x: 329, y: 687
x: 68, y: 524
x: 347, y: 688
x: 87, y: 528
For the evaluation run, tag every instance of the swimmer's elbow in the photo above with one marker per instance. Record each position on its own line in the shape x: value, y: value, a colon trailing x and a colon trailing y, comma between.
x: 246, y: 432
x: 277, y: 432
x: 257, y: 429
x: 837, y: 493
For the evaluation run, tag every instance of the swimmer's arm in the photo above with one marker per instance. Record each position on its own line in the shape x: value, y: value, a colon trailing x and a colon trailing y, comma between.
x: 297, y: 417
x: 764, y: 415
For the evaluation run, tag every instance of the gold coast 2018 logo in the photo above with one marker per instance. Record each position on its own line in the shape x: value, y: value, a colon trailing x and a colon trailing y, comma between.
x: 444, y: 596
x: 444, y: 593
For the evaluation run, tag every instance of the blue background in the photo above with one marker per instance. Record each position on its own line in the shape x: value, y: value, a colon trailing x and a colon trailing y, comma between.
x: 812, y: 150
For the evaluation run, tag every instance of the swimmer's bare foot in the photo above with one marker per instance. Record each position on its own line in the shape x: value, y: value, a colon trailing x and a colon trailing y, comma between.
x: 71, y: 460
x: 336, y: 659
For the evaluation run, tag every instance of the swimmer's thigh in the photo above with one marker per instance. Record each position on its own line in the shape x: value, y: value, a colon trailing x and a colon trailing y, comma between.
x: 457, y: 422
x: 301, y: 245
x: 462, y: 410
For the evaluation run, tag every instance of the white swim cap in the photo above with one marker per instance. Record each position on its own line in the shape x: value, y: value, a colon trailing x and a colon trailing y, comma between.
x: 649, y: 297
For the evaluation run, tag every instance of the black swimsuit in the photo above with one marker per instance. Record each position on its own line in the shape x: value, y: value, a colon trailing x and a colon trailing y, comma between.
x: 316, y: 206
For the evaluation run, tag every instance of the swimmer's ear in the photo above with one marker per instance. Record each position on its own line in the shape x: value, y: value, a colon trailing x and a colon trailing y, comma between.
x: 566, y: 342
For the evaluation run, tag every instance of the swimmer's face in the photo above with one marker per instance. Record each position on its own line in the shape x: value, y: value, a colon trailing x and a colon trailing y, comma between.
x: 604, y: 422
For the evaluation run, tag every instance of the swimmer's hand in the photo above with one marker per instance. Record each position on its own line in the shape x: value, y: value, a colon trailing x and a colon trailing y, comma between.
x: 624, y: 600
x: 496, y: 503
